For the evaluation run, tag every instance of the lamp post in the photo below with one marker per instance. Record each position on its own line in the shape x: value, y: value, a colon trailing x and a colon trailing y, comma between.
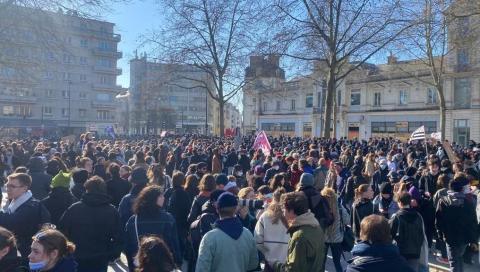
x: 206, y: 112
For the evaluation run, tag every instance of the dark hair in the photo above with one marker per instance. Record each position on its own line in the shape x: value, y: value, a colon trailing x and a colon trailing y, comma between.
x: 276, y: 182
x: 154, y: 256
x: 191, y: 184
x: 7, y: 239
x: 52, y: 239
x: 178, y: 179
x: 207, y: 183
x: 96, y: 184
x: 296, y: 202
x: 375, y: 229
x: 404, y: 198
x: 24, y: 179
x: 146, y: 202
x: 139, y: 157
x: 114, y: 170
x: 264, y: 190
x: 227, y: 212
x: 21, y: 169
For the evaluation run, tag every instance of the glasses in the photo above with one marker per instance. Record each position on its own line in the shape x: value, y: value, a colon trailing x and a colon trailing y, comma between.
x: 11, y: 186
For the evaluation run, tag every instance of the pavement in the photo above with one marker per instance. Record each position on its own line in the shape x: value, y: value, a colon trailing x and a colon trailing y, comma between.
x: 121, y: 264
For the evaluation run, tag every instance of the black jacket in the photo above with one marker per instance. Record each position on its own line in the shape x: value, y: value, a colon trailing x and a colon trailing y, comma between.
x: 360, y: 210
x: 377, y: 258
x: 380, y: 176
x: 455, y: 207
x: 25, y: 222
x: 408, y: 223
x: 353, y: 183
x: 78, y: 190
x: 57, y: 202
x: 12, y: 263
x: 40, y: 180
x: 179, y: 206
x: 93, y: 225
x: 117, y: 188
x: 196, y: 209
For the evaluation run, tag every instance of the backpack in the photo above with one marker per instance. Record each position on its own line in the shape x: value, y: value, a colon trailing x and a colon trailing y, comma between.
x: 409, y: 236
x: 321, y: 210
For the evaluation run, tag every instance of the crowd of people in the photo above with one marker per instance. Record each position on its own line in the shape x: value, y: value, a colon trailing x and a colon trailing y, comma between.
x: 202, y: 203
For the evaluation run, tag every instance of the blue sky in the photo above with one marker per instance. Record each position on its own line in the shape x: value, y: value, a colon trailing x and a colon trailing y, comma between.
x: 132, y: 19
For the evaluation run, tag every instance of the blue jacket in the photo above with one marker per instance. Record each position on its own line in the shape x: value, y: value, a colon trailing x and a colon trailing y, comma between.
x: 162, y: 225
x: 377, y: 258
x: 126, y: 204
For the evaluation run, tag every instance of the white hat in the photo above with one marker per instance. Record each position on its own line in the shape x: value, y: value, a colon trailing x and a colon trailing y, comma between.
x: 230, y: 184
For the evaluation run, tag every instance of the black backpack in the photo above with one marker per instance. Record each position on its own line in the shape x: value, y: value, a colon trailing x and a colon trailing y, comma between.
x: 321, y: 210
x: 409, y: 236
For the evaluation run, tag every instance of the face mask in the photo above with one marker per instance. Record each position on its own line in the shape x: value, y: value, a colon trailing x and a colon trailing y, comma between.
x: 276, y: 167
x: 466, y: 189
x: 37, y: 266
x: 239, y: 174
x: 383, y: 166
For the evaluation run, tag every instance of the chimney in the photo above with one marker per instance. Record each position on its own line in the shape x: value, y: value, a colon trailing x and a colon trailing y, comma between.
x: 392, y: 59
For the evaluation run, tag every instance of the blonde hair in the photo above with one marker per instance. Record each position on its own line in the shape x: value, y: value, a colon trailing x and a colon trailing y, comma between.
x: 360, y: 190
x: 331, y: 197
x: 243, y: 193
x: 274, y: 209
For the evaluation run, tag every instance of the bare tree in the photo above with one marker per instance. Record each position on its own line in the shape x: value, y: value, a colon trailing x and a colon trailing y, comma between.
x: 342, y: 35
x: 214, y: 36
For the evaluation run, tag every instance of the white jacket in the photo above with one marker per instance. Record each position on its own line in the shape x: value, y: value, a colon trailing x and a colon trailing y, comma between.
x: 272, y: 239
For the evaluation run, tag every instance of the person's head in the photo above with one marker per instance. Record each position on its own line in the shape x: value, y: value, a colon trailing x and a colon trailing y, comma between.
x: 96, y: 185
x: 87, y: 164
x: 221, y: 180
x: 306, y: 180
x: 207, y: 183
x: 139, y: 176
x: 202, y: 168
x: 18, y: 184
x: 274, y: 209
x: 21, y: 169
x: 386, y: 190
x: 363, y: 191
x: 294, y: 204
x: 331, y: 197
x: 7, y: 242
x: 178, y: 180
x: 149, y: 201
x: 48, y: 247
x: 114, y: 170
x: 459, y: 182
x: 139, y: 157
x: 433, y: 166
x: 246, y: 193
x: 154, y: 255
x: 277, y: 181
x: 376, y: 230
x: 191, y: 182
x: 443, y: 181
x: 338, y: 166
x: 404, y: 199
x: 227, y: 205
x: 80, y: 176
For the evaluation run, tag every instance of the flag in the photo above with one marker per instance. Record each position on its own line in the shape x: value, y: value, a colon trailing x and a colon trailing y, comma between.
x: 110, y: 131
x: 418, y: 134
x: 436, y: 135
x: 163, y: 134
x: 261, y: 142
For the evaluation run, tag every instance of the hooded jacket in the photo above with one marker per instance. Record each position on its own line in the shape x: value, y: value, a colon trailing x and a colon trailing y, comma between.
x: 306, y: 248
x: 57, y: 202
x: 377, y: 258
x: 228, y: 247
x: 409, y: 248
x: 456, y: 208
x: 93, y: 225
x: 40, y: 180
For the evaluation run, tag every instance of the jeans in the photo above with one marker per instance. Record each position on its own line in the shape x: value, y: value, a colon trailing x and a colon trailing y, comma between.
x: 455, y: 257
x: 336, y: 249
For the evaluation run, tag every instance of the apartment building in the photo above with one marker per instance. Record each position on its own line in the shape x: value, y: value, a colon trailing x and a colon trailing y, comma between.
x: 58, y: 72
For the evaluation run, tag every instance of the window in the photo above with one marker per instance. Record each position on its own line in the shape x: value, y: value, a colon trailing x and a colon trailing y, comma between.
x: 378, y: 127
x: 105, y: 97
x: 462, y: 94
x: 47, y: 110
x: 403, y: 97
x: 84, y: 43
x: 82, y: 113
x: 264, y: 106
x: 103, y: 80
x: 102, y: 115
x: 103, y: 45
x: 461, y: 131
x: 64, y: 112
x: 319, y: 99
x: 463, y: 26
x: 462, y: 59
x: 83, y: 60
x: 278, y: 106
x: 339, y: 98
x: 24, y: 110
x: 8, y: 110
x: 355, y: 98
x: 309, y: 100
x: 65, y: 94
x: 49, y: 93
x: 377, y: 99
x: 83, y: 77
x: 431, y: 96
x: 82, y: 95
x: 292, y: 105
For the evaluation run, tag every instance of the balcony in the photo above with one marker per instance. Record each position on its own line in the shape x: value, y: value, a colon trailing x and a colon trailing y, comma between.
x: 108, y: 70
x: 99, y: 34
x: 104, y: 104
x: 107, y: 87
x: 18, y: 99
x: 107, y: 53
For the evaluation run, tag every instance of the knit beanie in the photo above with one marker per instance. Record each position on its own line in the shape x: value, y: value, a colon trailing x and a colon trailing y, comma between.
x: 306, y: 179
x: 61, y: 180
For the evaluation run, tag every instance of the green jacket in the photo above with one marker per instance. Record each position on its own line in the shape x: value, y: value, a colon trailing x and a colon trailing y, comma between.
x: 306, y: 249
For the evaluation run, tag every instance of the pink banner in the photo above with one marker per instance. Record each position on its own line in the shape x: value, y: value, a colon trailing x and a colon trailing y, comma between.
x: 261, y: 142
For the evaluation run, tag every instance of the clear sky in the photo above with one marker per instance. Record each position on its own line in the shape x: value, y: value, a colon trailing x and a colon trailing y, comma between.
x: 132, y: 19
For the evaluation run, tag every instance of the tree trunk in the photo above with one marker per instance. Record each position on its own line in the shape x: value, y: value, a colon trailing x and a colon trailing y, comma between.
x: 221, y: 106
x: 442, y: 110
x: 327, y: 108
x: 334, y: 116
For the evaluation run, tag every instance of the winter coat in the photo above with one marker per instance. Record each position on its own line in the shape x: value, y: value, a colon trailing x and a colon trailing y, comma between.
x: 216, y: 164
x: 66, y: 264
x: 334, y: 232
x: 179, y: 206
x: 353, y: 183
x: 126, y: 204
x: 380, y: 176
x: 161, y: 225
x: 384, y: 210
x: 269, y: 174
x: 25, y: 222
x: 77, y: 190
x: 320, y: 175
x: 360, y: 210
x: 428, y: 183
x: 317, y: 204
x: 228, y: 247
x: 117, y: 188
x: 93, y: 225
x: 13, y: 263
x: 456, y: 208
x: 196, y: 209
x: 40, y: 180
x: 377, y: 258
x: 272, y: 239
x: 57, y: 202
x: 411, y: 217
x: 306, y: 249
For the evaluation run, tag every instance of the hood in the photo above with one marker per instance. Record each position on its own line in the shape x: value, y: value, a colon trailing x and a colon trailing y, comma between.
x: 366, y: 249
x: 209, y: 207
x: 230, y: 226
x: 409, y: 215
x: 306, y: 219
x: 456, y: 198
x: 96, y: 199
x: 36, y: 164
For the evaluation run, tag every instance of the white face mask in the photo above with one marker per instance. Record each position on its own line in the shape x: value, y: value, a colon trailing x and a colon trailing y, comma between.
x: 466, y: 189
x: 383, y: 166
x: 276, y: 167
x: 239, y: 174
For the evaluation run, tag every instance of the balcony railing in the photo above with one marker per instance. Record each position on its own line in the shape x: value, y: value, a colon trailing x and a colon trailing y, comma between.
x: 104, y: 104
x: 18, y: 99
x: 108, y: 70
x: 107, y: 53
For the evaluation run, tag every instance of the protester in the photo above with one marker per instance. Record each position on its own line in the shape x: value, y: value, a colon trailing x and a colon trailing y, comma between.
x: 229, y: 246
x: 9, y: 261
x: 60, y: 197
x: 117, y: 187
x: 362, y: 207
x: 206, y: 187
x: 40, y: 180
x: 139, y: 180
x: 79, y: 176
x: 155, y: 256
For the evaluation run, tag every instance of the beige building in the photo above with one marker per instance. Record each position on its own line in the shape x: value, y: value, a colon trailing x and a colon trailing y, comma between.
x: 58, y: 72
x: 232, y: 117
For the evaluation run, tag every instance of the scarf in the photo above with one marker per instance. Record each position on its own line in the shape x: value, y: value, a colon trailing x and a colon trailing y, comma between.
x: 16, y: 203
